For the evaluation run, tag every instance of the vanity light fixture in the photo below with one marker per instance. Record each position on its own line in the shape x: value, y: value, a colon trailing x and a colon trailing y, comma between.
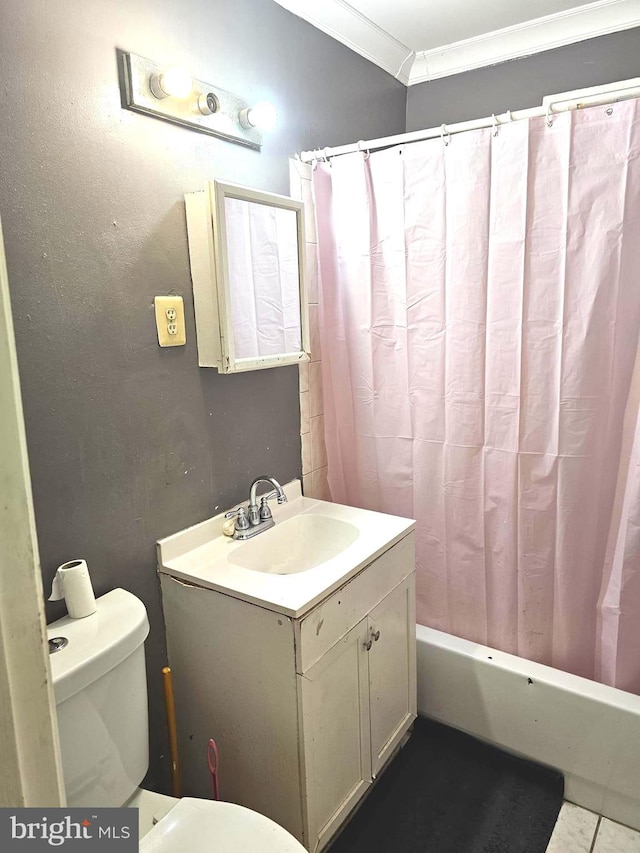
x: 171, y: 94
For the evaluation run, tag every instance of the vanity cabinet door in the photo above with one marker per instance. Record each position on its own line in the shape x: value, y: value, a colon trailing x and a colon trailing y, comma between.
x: 392, y: 667
x: 336, y: 736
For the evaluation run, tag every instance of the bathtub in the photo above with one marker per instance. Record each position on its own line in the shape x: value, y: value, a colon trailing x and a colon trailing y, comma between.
x: 587, y: 730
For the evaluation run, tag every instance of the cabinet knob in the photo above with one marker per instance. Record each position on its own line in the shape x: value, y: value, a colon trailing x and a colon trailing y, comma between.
x: 367, y: 644
x: 376, y: 636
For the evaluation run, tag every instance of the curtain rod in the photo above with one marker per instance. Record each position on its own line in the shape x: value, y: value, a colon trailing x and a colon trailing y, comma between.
x: 551, y: 105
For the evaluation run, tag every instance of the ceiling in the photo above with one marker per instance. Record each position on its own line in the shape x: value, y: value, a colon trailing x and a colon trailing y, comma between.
x: 420, y: 40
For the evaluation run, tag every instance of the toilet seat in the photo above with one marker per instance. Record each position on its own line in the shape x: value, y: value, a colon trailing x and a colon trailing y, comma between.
x: 206, y: 826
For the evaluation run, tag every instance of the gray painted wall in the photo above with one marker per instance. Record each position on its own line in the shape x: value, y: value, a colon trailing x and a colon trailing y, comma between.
x: 129, y: 443
x: 523, y: 83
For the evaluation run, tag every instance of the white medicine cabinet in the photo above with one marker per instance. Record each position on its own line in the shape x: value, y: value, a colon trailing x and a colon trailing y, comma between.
x: 246, y: 249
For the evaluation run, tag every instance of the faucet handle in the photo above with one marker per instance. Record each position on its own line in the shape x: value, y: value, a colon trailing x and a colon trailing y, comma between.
x: 265, y: 509
x: 240, y: 514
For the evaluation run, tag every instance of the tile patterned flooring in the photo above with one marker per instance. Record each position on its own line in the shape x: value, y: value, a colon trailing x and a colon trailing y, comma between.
x: 580, y: 831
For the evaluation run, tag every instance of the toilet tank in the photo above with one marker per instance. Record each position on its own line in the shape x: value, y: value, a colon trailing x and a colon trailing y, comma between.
x: 100, y: 688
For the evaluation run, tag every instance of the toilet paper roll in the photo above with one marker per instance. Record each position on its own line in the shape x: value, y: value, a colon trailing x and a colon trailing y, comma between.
x: 72, y: 582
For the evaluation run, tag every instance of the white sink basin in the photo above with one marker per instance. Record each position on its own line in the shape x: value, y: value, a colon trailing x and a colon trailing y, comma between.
x: 313, y: 548
x: 295, y: 545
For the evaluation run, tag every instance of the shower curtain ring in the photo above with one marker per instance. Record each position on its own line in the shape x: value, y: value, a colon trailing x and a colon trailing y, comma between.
x: 548, y: 116
x: 325, y: 156
x: 364, y: 151
x: 443, y: 131
x: 495, y: 123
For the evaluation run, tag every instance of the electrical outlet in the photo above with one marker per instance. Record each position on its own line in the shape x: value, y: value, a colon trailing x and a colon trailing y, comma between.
x: 170, y: 321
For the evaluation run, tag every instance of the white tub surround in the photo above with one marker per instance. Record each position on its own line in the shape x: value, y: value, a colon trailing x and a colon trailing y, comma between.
x: 587, y: 730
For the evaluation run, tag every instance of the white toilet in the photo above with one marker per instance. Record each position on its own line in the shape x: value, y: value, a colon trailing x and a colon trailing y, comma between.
x: 101, y: 696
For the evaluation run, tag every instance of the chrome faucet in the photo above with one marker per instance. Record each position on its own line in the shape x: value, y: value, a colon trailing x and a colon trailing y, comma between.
x: 254, y: 519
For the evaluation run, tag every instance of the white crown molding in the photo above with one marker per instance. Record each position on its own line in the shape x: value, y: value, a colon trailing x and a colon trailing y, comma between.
x: 342, y: 22
x: 562, y: 28
x: 345, y: 24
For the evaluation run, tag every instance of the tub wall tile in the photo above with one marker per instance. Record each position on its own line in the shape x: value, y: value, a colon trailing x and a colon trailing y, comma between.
x: 314, y: 454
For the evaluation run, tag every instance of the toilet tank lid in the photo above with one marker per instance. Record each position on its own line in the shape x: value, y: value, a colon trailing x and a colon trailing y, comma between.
x: 96, y: 643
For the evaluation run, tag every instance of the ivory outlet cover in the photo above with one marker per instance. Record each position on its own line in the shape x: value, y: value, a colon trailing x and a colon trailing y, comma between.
x: 170, y: 321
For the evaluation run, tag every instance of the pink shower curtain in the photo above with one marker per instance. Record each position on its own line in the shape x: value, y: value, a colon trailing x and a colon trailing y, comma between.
x: 480, y: 317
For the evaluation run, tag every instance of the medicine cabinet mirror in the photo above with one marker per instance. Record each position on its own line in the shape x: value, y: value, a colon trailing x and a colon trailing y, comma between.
x: 247, y: 266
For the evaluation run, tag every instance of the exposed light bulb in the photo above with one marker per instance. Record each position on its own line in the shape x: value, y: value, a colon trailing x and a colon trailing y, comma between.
x: 175, y: 82
x: 262, y: 116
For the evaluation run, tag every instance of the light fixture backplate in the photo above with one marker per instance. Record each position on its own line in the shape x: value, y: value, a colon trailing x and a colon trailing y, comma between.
x: 225, y: 124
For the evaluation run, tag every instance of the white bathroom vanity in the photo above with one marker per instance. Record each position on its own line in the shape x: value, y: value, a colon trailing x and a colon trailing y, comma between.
x: 306, y: 678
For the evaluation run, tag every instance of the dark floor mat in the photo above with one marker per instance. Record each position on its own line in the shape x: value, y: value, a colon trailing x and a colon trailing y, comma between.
x: 447, y: 792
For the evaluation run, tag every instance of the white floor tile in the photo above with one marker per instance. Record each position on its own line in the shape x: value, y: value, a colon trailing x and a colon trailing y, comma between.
x: 615, y: 838
x: 574, y: 830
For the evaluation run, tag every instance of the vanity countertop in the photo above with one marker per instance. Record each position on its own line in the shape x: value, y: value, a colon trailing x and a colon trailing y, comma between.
x: 203, y: 556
